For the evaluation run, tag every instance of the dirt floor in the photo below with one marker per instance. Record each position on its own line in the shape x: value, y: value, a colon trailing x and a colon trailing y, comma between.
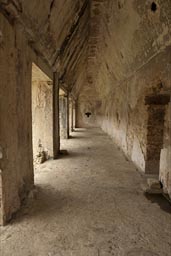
x: 89, y: 203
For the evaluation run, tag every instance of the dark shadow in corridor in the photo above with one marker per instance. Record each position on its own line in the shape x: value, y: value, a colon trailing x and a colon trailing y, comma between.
x: 160, y: 200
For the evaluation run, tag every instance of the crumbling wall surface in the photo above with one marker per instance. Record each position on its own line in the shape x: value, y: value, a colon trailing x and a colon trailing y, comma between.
x: 41, y: 114
x: 15, y: 118
x: 124, y: 112
x: 131, y: 59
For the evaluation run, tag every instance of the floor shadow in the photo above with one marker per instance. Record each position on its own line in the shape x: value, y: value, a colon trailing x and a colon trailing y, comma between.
x: 76, y: 137
x: 71, y: 155
x: 160, y: 200
x: 79, y: 130
x: 47, y: 203
x: 63, y: 152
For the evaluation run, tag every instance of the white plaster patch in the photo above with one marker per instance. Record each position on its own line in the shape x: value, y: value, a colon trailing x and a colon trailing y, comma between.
x: 137, y: 154
x: 165, y: 169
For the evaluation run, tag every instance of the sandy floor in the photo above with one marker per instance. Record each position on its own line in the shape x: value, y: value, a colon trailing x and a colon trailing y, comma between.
x: 89, y: 203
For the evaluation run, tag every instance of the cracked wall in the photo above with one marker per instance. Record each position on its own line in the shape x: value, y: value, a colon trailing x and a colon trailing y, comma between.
x: 130, y: 58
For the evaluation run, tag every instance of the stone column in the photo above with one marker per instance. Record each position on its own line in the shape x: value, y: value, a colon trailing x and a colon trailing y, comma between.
x: 56, y: 130
x: 72, y: 117
x: 64, y: 116
x: 67, y: 116
x: 76, y: 114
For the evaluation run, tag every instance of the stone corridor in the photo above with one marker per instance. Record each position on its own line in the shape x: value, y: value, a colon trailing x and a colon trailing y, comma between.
x: 90, y: 202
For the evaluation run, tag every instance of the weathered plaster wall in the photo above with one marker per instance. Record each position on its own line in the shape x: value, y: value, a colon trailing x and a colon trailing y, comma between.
x: 15, y: 118
x: 125, y: 112
x: 130, y: 58
x: 42, y: 113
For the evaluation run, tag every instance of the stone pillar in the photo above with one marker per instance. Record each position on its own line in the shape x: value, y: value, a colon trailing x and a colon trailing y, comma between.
x: 64, y: 116
x: 56, y: 129
x: 68, y: 131
x: 16, y: 160
x: 72, y: 117
x: 76, y: 114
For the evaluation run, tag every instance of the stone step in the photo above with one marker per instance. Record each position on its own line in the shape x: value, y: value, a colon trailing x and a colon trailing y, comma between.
x: 153, y: 186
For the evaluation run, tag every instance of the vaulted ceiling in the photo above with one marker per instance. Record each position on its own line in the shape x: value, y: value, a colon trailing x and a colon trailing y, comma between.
x: 93, y: 43
x: 58, y: 30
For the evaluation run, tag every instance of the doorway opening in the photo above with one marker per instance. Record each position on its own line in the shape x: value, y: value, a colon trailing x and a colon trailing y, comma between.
x: 64, y: 114
x: 155, y: 131
x: 42, y: 115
